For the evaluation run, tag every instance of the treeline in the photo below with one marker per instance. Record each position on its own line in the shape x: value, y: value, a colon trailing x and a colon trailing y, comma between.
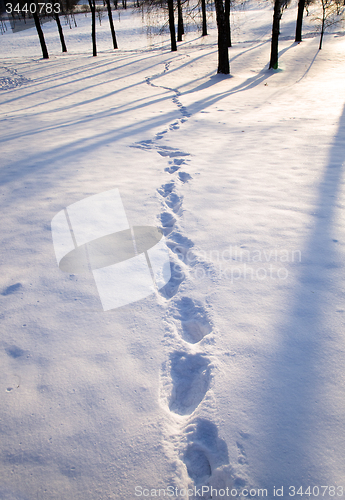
x: 330, y: 13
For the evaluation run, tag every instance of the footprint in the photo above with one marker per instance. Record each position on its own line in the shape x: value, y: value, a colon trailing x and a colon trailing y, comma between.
x: 174, y: 202
x: 171, y: 169
x: 174, y: 126
x: 177, y: 276
x: 168, y: 222
x: 179, y: 161
x: 170, y: 152
x: 166, y: 189
x: 184, y: 177
x: 9, y: 78
x: 181, y: 246
x: 12, y: 289
x: 14, y: 351
x: 194, y: 320
x: 160, y: 135
x: 145, y: 145
x: 198, y: 466
x: 205, y: 451
x: 191, y: 376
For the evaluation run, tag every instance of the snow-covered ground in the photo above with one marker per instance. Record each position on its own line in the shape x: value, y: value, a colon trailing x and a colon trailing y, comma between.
x: 232, y: 376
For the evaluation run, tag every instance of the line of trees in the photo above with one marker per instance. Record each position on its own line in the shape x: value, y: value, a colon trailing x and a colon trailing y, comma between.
x: 331, y: 13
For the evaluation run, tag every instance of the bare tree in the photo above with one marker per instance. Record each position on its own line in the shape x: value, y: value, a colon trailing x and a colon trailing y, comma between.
x: 300, y: 11
x: 227, y: 21
x: 180, y: 28
x: 332, y: 13
x: 223, y: 53
x: 100, y: 14
x: 204, y: 21
x: 112, y: 29
x: 40, y: 35
x: 172, y: 25
x: 93, y: 21
x: 279, y: 6
x: 61, y: 35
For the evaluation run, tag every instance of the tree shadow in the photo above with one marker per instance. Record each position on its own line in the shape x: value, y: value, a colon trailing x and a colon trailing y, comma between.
x: 309, y: 68
x: 301, y: 415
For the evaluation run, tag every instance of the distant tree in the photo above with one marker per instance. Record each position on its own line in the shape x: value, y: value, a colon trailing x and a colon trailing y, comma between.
x: 112, y: 29
x: 332, y: 13
x: 93, y: 28
x: 172, y: 25
x: 40, y: 35
x: 279, y: 6
x: 100, y: 14
x: 223, y: 53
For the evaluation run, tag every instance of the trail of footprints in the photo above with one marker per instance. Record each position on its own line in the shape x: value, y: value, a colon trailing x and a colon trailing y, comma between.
x: 10, y: 79
x: 187, y: 373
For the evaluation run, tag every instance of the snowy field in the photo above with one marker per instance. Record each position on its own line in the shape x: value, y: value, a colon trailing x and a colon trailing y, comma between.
x: 232, y: 376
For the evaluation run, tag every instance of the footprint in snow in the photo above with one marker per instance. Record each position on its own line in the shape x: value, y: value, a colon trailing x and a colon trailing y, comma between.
x: 14, y: 351
x: 145, y: 145
x: 191, y: 377
x: 181, y: 246
x: 205, y: 451
x: 170, y: 152
x: 174, y: 126
x: 171, y: 169
x: 177, y: 276
x: 166, y: 189
x: 12, y: 289
x: 174, y: 165
x: 173, y: 201
x: 168, y: 222
x: 184, y: 177
x: 194, y: 320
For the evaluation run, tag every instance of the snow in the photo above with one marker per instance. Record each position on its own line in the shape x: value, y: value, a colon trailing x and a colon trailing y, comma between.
x: 231, y: 375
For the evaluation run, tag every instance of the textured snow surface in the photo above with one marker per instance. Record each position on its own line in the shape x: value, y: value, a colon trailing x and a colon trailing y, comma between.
x: 232, y: 375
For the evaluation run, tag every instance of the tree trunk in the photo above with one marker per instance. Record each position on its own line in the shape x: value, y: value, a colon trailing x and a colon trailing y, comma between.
x: 172, y: 25
x: 40, y: 36
x: 93, y: 17
x: 322, y: 31
x: 301, y: 5
x: 223, y: 54
x: 204, y: 22
x: 180, y: 28
x: 227, y: 22
x: 113, y: 35
x: 275, y: 34
x: 62, y: 38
